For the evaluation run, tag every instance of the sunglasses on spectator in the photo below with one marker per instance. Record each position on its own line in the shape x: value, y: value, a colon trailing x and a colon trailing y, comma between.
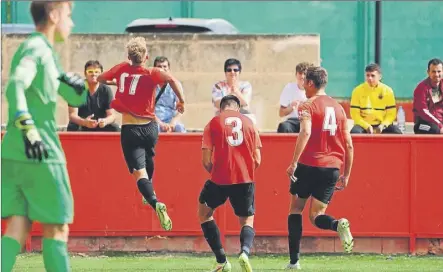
x: 93, y: 71
x: 230, y: 70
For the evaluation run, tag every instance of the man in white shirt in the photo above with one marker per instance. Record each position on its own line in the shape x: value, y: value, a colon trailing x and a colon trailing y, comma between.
x: 291, y: 97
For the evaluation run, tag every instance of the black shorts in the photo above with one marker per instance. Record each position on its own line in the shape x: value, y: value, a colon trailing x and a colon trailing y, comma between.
x: 138, y: 143
x: 318, y: 182
x: 241, y: 196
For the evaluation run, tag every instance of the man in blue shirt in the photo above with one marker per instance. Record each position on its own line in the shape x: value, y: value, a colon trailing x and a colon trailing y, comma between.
x: 168, y: 117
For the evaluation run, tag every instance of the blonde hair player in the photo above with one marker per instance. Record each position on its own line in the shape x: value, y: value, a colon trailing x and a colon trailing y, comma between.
x: 135, y: 100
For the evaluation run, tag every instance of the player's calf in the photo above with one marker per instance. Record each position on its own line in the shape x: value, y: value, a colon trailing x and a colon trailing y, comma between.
x: 10, y: 248
x: 319, y: 218
x: 212, y: 236
x: 55, y: 251
x: 324, y: 221
x: 211, y: 232
x: 146, y: 188
x: 17, y: 230
x: 247, y: 234
x: 341, y: 226
x: 295, y: 228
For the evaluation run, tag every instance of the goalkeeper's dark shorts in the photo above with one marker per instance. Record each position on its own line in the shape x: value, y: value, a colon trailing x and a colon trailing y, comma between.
x: 138, y: 143
x: 241, y: 197
x: 318, y: 182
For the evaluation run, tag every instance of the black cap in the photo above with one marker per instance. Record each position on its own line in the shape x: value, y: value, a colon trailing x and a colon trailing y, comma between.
x: 230, y: 97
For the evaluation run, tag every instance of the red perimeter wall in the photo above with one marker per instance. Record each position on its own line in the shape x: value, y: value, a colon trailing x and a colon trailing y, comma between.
x: 394, y: 200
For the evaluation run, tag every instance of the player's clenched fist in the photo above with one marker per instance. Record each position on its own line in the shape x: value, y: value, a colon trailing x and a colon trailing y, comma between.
x: 34, y: 147
x: 342, y: 183
x: 180, y: 107
x: 290, y: 172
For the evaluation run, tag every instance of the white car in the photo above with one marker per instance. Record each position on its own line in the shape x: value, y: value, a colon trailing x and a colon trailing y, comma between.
x: 181, y: 25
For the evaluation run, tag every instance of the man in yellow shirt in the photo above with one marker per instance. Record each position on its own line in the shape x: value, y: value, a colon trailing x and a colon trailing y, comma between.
x: 373, y: 105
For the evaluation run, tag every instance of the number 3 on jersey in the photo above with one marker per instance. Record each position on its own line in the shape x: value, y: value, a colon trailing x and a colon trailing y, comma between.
x: 236, y: 138
x: 330, y: 122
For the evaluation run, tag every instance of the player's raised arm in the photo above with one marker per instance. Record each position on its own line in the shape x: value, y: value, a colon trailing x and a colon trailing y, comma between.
x: 109, y: 76
x: 207, y: 146
x: 164, y: 76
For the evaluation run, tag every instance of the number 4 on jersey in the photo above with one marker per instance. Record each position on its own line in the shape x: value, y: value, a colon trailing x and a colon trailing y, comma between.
x: 330, y: 122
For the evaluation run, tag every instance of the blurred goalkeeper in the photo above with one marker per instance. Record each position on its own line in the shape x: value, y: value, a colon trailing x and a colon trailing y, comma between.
x: 235, y: 144
x: 35, y: 182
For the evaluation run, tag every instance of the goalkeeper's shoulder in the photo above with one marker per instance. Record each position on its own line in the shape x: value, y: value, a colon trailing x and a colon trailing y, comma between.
x: 27, y: 56
x: 34, y: 47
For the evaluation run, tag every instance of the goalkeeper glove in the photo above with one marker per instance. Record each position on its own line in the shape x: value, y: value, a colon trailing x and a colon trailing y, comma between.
x: 34, y: 147
x: 73, y: 80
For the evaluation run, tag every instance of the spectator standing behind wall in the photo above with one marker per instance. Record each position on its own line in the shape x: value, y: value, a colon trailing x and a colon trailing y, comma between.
x: 373, y: 106
x: 291, y: 97
x: 168, y: 118
x: 96, y: 114
x: 233, y: 85
x: 428, y: 101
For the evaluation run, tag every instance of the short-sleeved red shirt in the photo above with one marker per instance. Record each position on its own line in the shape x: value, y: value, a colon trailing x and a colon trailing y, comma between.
x: 326, y: 146
x: 233, y: 138
x: 136, y: 87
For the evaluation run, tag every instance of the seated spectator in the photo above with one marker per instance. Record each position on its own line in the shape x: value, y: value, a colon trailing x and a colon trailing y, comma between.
x: 428, y: 101
x: 292, y: 95
x: 373, y: 105
x: 168, y: 118
x: 233, y: 85
x: 96, y: 114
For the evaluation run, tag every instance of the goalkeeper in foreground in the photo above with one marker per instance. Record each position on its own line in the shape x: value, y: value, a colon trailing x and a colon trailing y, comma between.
x: 34, y: 178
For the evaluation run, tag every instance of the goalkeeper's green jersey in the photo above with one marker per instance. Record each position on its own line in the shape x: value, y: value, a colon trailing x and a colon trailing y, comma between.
x: 33, y: 86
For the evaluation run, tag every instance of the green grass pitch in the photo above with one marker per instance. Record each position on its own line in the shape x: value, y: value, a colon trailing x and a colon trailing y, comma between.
x: 204, y: 262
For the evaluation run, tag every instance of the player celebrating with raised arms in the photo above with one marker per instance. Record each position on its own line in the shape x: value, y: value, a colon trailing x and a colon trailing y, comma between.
x: 232, y: 139
x: 135, y: 100
x: 323, y: 144
x: 35, y: 182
